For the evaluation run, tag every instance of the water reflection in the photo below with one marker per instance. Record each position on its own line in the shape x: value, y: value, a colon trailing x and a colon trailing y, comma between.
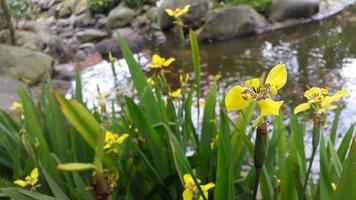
x: 316, y: 54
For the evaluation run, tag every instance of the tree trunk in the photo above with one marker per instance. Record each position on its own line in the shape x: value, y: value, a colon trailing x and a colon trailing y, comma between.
x: 6, y: 9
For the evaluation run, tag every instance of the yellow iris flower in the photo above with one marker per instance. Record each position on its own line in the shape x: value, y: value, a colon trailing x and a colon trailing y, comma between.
x: 191, y: 190
x: 319, y: 100
x: 111, y: 139
x: 176, y: 94
x: 159, y: 62
x: 150, y: 81
x: 16, y: 106
x: 178, y: 12
x: 30, y: 180
x: 239, y: 97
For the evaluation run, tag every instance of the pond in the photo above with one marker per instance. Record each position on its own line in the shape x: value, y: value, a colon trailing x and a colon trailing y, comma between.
x: 321, y: 53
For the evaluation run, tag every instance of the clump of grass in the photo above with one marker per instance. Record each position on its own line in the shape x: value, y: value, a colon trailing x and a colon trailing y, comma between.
x: 144, y: 154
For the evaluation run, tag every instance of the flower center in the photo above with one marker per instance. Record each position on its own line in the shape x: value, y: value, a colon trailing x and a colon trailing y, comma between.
x: 264, y: 91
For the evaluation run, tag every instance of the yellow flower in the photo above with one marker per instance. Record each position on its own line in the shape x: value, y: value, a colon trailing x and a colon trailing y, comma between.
x: 150, y: 81
x: 30, y: 180
x: 176, y: 94
x: 239, y: 97
x: 111, y: 139
x: 178, y: 11
x: 183, y: 78
x: 16, y: 106
x: 102, y: 95
x: 191, y: 190
x: 319, y: 101
x: 333, y: 186
x: 112, y: 59
x: 159, y: 62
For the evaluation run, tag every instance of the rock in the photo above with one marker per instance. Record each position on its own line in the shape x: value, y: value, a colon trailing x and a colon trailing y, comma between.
x: 226, y: 23
x: 90, y: 34
x: 139, y: 22
x: 80, y: 6
x: 42, y: 29
x: 134, y: 39
x: 44, y: 4
x: 197, y: 11
x: 101, y: 23
x: 26, y: 39
x: 59, y: 51
x: 159, y: 37
x: 84, y: 20
x: 62, y: 85
x: 152, y: 14
x: 64, y: 11
x: 286, y: 9
x: 80, y: 55
x: 23, y: 64
x: 88, y: 45
x: 64, y: 71
x: 119, y: 17
x: 8, y: 92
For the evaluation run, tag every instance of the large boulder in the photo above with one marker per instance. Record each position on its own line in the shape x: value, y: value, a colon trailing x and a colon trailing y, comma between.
x: 26, y: 39
x: 286, y: 9
x: 23, y: 64
x: 87, y: 35
x: 134, y: 39
x: 8, y: 92
x: 119, y: 17
x: 194, y: 17
x: 226, y: 23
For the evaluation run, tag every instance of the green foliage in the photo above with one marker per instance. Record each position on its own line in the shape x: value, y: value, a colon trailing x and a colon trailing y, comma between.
x: 21, y: 8
x: 65, y: 140
x: 102, y: 6
x: 259, y: 5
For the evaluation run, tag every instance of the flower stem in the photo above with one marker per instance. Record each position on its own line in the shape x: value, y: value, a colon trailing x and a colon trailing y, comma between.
x: 257, y: 180
x: 315, y: 142
x: 259, y: 154
x: 309, y: 169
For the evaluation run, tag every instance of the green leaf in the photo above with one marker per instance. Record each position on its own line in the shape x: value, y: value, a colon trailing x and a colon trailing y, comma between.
x: 80, y: 118
x: 137, y: 75
x: 347, y: 183
x: 325, y: 180
x: 345, y: 144
x: 57, y: 191
x: 196, y: 64
x: 224, y: 175
x: 22, y: 194
x: 78, y: 86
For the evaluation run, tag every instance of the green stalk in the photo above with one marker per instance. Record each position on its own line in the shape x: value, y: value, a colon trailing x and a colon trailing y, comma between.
x: 315, y: 143
x: 259, y: 154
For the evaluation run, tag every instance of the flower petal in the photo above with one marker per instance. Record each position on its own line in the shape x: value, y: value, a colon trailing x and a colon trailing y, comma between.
x: 34, y: 173
x: 188, y: 179
x: 207, y: 186
x: 187, y: 194
x: 277, y: 77
x: 253, y: 83
x: 168, y: 62
x: 269, y: 107
x: 122, y: 138
x: 301, y: 108
x: 185, y: 9
x: 21, y: 183
x: 170, y: 12
x: 234, y: 100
